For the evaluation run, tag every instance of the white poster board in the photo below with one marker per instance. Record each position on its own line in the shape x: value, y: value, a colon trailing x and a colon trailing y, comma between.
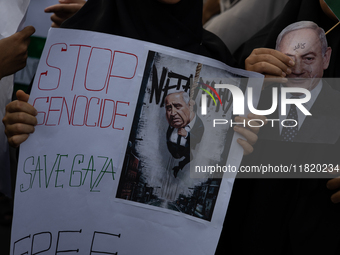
x: 95, y: 177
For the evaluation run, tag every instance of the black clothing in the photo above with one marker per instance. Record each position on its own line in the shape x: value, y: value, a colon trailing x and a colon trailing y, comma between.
x: 174, y: 25
x: 288, y: 216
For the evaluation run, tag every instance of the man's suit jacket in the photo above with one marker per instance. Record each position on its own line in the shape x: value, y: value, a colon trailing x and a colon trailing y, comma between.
x: 323, y: 126
x: 288, y: 215
x: 317, y: 141
x: 193, y: 138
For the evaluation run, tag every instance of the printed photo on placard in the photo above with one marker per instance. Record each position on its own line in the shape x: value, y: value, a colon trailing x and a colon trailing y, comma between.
x: 159, y: 158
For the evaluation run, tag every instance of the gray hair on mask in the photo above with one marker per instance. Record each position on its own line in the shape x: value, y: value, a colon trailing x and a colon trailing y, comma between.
x: 301, y: 25
x: 185, y: 96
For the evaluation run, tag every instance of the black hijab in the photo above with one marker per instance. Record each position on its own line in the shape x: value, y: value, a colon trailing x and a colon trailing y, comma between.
x: 174, y: 25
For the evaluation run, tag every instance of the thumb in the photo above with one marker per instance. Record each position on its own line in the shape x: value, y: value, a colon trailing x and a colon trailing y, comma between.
x: 71, y: 1
x: 27, y: 31
x: 22, y: 96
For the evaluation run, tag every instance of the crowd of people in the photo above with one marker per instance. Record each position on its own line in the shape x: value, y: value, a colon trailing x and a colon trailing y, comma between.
x: 284, y: 40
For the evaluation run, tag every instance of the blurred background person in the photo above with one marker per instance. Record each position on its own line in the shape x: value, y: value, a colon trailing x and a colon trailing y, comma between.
x: 237, y: 21
x: 286, y: 216
x: 19, y: 55
x: 64, y: 10
x: 13, y: 55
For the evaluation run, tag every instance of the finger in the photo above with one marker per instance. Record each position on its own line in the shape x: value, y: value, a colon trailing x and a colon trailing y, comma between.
x: 246, y: 124
x: 252, y: 125
x: 72, y: 1
x: 257, y: 121
x: 56, y: 21
x: 18, y: 129
x: 335, y: 198
x: 20, y: 117
x: 63, y: 9
x: 22, y: 96
x: 20, y: 107
x: 16, y: 140
x: 276, y: 54
x: 264, y: 67
x: 253, y: 116
x: 260, y: 61
x: 249, y: 136
x: 269, y: 62
x: 247, y: 148
x: 55, y: 25
x: 333, y: 184
x: 27, y: 32
x: 52, y: 8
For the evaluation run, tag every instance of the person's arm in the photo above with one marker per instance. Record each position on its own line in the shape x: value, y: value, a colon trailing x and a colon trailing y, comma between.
x: 269, y: 62
x: 19, y: 119
x: 13, y: 51
x: 64, y: 10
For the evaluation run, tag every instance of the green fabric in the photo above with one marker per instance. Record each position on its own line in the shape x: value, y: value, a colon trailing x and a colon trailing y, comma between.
x: 18, y: 86
x: 36, y: 46
x: 334, y: 5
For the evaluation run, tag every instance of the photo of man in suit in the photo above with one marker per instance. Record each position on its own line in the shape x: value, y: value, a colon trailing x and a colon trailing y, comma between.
x: 286, y: 212
x: 185, y: 129
x: 306, y: 44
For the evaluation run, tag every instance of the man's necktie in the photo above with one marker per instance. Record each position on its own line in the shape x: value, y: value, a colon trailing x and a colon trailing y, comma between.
x: 288, y: 133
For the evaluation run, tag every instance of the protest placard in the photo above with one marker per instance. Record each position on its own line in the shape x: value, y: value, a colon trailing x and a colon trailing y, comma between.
x: 97, y: 176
